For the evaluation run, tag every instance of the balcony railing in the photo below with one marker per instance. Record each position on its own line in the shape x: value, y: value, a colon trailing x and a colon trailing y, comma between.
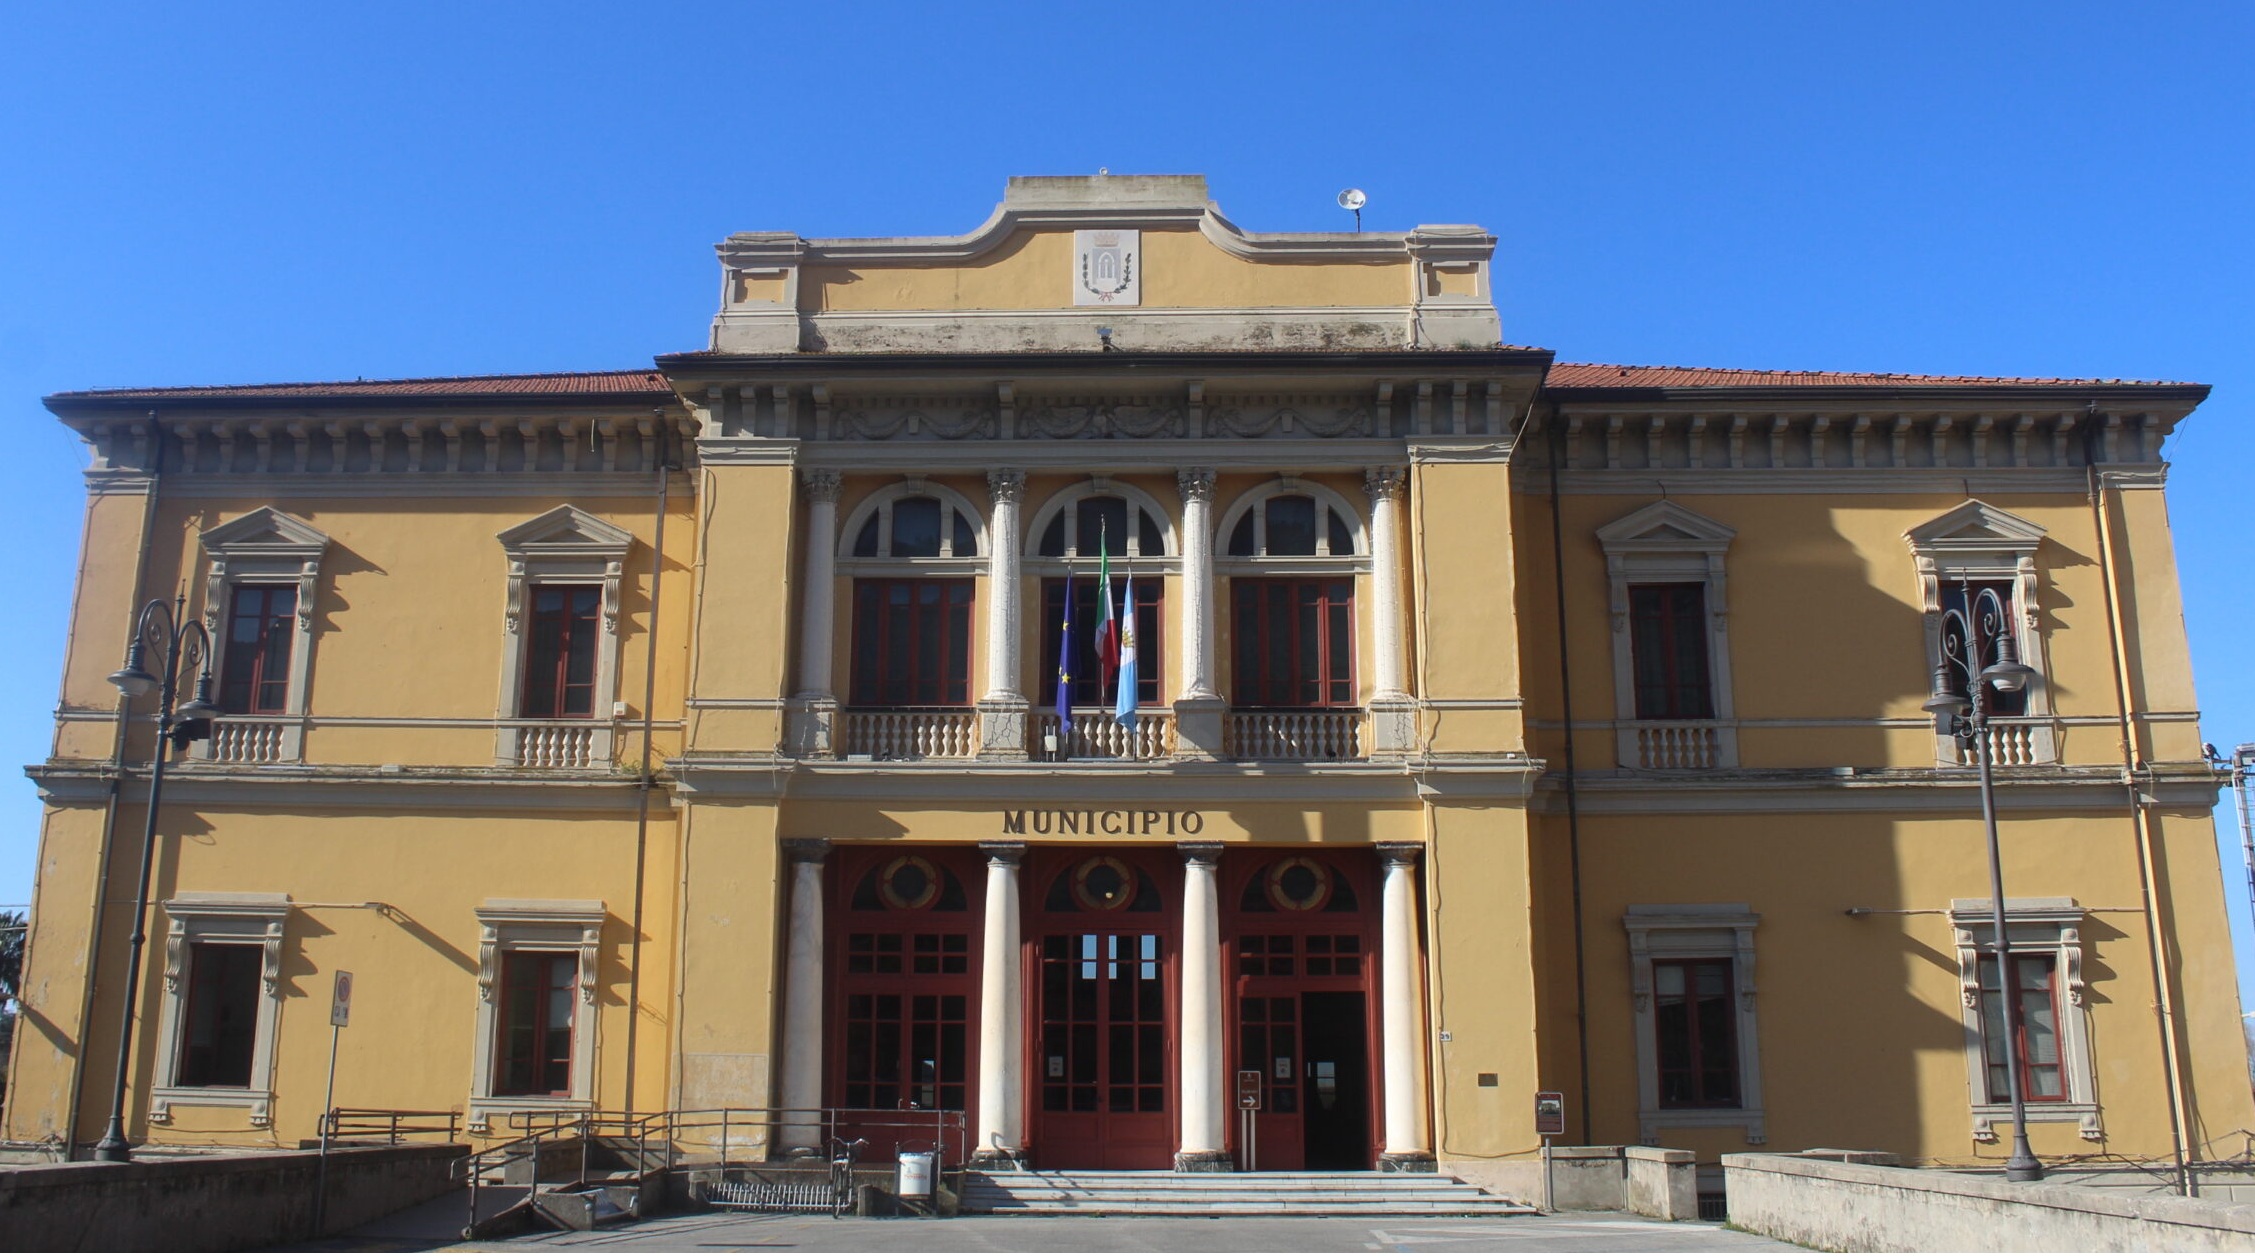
x: 1295, y: 735
x: 556, y: 745
x: 1681, y: 744
x: 1097, y: 734
x: 249, y: 741
x: 2013, y: 742
x: 911, y: 734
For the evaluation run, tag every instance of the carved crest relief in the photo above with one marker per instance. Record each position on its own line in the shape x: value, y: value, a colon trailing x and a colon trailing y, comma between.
x: 1108, y: 267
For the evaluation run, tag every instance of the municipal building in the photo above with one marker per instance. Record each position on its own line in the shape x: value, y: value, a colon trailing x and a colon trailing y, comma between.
x: 734, y: 731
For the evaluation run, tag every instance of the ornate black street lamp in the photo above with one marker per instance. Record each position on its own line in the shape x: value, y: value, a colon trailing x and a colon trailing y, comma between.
x: 182, y: 646
x: 1977, y: 646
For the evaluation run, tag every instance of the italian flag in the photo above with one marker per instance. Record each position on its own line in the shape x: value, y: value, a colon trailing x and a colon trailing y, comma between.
x: 1107, y: 618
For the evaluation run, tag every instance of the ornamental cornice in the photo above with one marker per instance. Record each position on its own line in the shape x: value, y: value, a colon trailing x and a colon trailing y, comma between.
x: 310, y: 447
x: 1675, y: 443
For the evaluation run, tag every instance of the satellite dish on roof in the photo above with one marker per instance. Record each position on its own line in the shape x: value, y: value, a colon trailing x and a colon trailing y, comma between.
x: 1353, y: 199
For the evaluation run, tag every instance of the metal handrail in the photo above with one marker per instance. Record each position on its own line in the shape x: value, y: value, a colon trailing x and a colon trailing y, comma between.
x: 346, y: 1123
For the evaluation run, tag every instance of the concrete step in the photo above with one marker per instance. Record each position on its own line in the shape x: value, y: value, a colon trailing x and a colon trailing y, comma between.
x: 1399, y: 1207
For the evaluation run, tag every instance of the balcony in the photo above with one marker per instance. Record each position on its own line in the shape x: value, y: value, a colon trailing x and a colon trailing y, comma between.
x: 1097, y: 735
x: 252, y: 741
x: 2023, y: 741
x: 910, y: 734
x: 561, y: 745
x: 1677, y: 744
x: 1295, y: 735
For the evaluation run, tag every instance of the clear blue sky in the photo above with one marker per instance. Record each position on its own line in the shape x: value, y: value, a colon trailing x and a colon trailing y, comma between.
x: 300, y: 192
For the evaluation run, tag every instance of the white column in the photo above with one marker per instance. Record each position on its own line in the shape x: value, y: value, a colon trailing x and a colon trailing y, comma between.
x: 821, y: 581
x: 1201, y: 1074
x: 1197, y: 583
x: 1002, y: 1065
x: 1002, y: 710
x: 802, y: 995
x: 1009, y: 486
x: 1401, y: 995
x: 1385, y: 486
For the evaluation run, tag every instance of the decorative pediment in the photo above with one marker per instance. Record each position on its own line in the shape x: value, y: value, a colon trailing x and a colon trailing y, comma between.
x: 567, y: 532
x: 1977, y: 527
x: 1665, y: 526
x: 266, y: 532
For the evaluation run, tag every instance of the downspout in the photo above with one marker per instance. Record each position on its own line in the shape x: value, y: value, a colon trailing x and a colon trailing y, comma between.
x: 664, y: 462
x: 1573, y: 799
x: 2133, y: 757
x: 111, y: 799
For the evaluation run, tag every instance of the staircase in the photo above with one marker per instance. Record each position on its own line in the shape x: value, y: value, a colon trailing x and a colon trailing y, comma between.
x: 1229, y: 1194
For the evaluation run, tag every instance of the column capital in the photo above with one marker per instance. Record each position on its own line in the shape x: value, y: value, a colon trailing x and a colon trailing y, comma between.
x: 1008, y: 485
x: 1197, y: 484
x: 1384, y: 484
x: 806, y: 850
x: 1400, y: 852
x: 822, y: 484
x: 1199, y: 852
x: 1003, y: 852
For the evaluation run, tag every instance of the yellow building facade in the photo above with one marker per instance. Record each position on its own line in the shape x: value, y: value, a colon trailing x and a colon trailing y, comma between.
x: 743, y: 732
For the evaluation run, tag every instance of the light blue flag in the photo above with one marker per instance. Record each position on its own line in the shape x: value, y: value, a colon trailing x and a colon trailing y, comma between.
x: 1124, y: 708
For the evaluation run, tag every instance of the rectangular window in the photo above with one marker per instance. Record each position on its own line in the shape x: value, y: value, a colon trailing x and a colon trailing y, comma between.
x: 560, y: 657
x: 534, y: 1054
x: 1695, y: 1022
x: 2041, y: 1079
x: 911, y: 641
x: 1295, y: 642
x: 1668, y: 643
x: 261, y: 623
x: 1956, y: 598
x: 220, y: 1030
x: 1088, y: 689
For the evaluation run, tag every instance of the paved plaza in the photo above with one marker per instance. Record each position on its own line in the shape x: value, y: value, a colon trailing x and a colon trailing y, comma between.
x: 733, y: 1231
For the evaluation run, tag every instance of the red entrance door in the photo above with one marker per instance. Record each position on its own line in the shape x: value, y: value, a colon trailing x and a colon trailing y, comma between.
x: 904, y: 989
x: 1302, y: 934
x: 1103, y: 1051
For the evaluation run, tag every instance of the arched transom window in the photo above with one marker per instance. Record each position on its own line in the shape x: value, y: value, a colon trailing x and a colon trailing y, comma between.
x: 1289, y: 518
x: 1100, y: 517
x: 914, y: 521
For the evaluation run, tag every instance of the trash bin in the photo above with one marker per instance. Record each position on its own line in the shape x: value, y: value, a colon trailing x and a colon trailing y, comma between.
x: 916, y: 1169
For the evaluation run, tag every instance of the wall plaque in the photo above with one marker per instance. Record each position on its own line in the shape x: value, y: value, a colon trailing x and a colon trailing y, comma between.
x: 1108, y: 267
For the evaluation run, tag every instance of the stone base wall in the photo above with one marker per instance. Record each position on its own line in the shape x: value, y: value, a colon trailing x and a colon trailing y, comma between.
x: 214, y: 1203
x: 1836, y: 1206
x: 1647, y: 1180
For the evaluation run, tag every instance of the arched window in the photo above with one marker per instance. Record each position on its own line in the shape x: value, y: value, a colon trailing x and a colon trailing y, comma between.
x: 1290, y: 518
x: 1097, y: 513
x: 914, y: 521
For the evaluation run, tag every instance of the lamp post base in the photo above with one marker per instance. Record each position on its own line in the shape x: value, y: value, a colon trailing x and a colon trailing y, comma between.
x: 2023, y: 1164
x: 113, y: 1148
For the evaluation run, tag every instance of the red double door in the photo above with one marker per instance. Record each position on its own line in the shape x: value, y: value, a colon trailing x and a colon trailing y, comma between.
x: 1102, y: 967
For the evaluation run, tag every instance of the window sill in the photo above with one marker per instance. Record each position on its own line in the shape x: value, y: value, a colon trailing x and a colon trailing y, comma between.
x: 164, y: 1098
x: 1652, y: 1122
x: 1987, y: 1116
x: 486, y: 1108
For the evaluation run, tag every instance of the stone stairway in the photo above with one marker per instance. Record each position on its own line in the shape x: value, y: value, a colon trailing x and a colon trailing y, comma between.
x: 1065, y: 1193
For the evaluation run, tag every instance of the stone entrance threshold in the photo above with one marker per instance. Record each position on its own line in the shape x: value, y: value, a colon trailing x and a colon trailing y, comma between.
x: 1067, y: 1193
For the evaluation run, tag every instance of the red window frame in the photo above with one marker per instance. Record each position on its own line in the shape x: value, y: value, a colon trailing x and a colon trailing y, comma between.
x: 1696, y: 1030
x: 911, y: 642
x: 1280, y: 663
x: 1088, y: 685
x: 2042, y: 995
x: 532, y: 1027
x: 560, y: 650
x: 261, y: 627
x: 1668, y: 643
x: 219, y: 1019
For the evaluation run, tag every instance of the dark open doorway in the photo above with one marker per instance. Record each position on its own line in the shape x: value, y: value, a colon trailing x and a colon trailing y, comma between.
x: 1335, y: 1082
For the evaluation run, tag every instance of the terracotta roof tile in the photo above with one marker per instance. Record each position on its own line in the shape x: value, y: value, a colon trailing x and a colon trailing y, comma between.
x: 1623, y: 376
x: 545, y: 383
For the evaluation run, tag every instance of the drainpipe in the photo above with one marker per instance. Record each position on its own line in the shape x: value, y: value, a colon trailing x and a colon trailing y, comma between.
x: 2133, y: 757
x: 96, y: 912
x: 1573, y: 799
x: 664, y: 461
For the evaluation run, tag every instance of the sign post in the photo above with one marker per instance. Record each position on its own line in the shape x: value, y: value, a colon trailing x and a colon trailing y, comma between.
x: 340, y: 1014
x: 1249, y: 1087
x: 1550, y: 1122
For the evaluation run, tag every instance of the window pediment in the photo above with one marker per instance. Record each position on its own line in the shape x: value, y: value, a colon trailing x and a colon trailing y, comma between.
x: 1974, y: 526
x: 265, y: 531
x: 565, y: 532
x: 1665, y: 526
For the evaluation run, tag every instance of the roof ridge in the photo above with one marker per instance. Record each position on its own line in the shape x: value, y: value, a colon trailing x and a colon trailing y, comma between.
x: 367, y: 382
x: 1683, y: 373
